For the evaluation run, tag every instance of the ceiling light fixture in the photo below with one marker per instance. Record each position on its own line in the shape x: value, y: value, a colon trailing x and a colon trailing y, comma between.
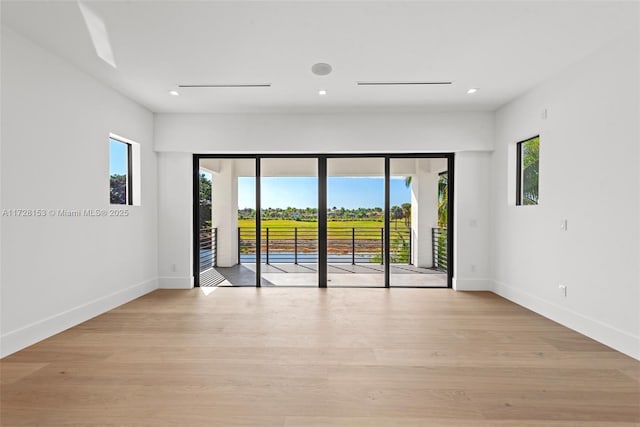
x: 472, y: 90
x: 174, y: 93
x: 321, y: 69
x: 227, y: 85
x: 401, y: 83
x: 322, y: 92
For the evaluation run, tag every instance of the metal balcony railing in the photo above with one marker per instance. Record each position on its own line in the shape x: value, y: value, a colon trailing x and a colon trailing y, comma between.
x: 208, y: 248
x: 344, y: 245
x: 439, y: 244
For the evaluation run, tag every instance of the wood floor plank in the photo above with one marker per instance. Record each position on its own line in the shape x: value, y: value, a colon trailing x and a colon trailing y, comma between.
x: 558, y: 405
x: 432, y: 421
x: 319, y: 357
x: 10, y: 372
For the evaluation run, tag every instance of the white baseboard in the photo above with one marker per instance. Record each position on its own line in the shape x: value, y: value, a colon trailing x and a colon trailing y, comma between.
x: 175, y: 282
x: 472, y: 284
x: 45, y: 328
x: 608, y: 335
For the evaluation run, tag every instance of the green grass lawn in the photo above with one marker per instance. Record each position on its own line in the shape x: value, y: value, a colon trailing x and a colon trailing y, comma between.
x: 338, y: 230
x: 367, y: 236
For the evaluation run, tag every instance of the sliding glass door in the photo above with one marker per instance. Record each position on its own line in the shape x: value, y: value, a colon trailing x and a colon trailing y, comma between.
x: 355, y: 222
x: 289, y: 221
x: 226, y: 221
x: 323, y: 220
x: 419, y: 219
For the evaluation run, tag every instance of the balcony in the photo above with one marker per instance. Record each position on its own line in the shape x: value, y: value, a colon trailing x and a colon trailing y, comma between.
x: 293, y: 251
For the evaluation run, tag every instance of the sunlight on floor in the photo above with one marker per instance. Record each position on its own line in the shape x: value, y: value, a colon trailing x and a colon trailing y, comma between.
x: 210, y: 289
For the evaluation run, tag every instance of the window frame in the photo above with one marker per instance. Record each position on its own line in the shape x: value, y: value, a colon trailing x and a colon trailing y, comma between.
x: 128, y: 175
x: 322, y: 207
x: 519, y: 174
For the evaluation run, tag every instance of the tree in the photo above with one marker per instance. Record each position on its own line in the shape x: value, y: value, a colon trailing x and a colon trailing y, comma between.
x: 443, y: 199
x: 530, y: 171
x: 118, y: 194
x: 396, y: 213
x: 205, y: 201
x: 406, y: 213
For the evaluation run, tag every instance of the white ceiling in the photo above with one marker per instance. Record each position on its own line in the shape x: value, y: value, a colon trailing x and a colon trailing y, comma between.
x: 502, y: 48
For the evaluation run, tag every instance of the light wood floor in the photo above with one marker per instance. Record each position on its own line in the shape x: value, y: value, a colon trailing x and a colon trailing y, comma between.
x: 306, y: 357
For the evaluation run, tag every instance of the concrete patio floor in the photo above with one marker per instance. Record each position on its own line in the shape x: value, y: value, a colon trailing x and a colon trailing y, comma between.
x: 338, y: 274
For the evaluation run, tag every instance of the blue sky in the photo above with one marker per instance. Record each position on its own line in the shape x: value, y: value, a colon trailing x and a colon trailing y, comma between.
x: 302, y: 192
x: 117, y: 157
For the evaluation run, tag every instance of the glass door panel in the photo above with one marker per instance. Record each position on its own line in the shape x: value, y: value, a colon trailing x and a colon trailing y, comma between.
x: 355, y: 222
x: 289, y: 221
x: 418, y: 222
x: 227, y: 222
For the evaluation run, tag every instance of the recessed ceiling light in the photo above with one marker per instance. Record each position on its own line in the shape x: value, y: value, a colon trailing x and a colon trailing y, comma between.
x: 321, y: 69
x: 322, y: 92
x: 174, y: 93
x: 472, y: 90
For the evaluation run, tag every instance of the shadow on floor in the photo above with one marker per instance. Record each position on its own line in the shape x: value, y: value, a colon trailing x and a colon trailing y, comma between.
x: 240, y: 275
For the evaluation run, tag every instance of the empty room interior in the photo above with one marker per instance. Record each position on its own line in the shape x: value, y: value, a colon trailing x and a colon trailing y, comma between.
x: 340, y: 213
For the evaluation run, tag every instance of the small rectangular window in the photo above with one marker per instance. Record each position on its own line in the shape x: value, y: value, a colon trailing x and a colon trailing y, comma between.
x: 120, y: 173
x: 528, y: 167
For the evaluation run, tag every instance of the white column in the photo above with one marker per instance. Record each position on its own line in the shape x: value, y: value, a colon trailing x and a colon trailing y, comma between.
x: 424, y: 213
x: 224, y: 212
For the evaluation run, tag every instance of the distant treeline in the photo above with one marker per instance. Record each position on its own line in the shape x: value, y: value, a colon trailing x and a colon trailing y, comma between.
x: 311, y: 214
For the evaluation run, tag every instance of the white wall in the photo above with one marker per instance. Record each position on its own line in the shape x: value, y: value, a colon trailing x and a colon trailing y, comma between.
x: 472, y: 221
x: 326, y: 133
x: 589, y: 147
x: 175, y: 221
x: 56, y: 271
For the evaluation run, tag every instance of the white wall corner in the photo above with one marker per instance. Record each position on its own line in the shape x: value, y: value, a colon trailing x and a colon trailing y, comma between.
x: 472, y: 284
x: 608, y: 335
x: 37, y: 331
x: 175, y: 282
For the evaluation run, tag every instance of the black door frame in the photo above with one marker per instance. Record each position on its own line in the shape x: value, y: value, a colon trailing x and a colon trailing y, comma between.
x: 322, y: 207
